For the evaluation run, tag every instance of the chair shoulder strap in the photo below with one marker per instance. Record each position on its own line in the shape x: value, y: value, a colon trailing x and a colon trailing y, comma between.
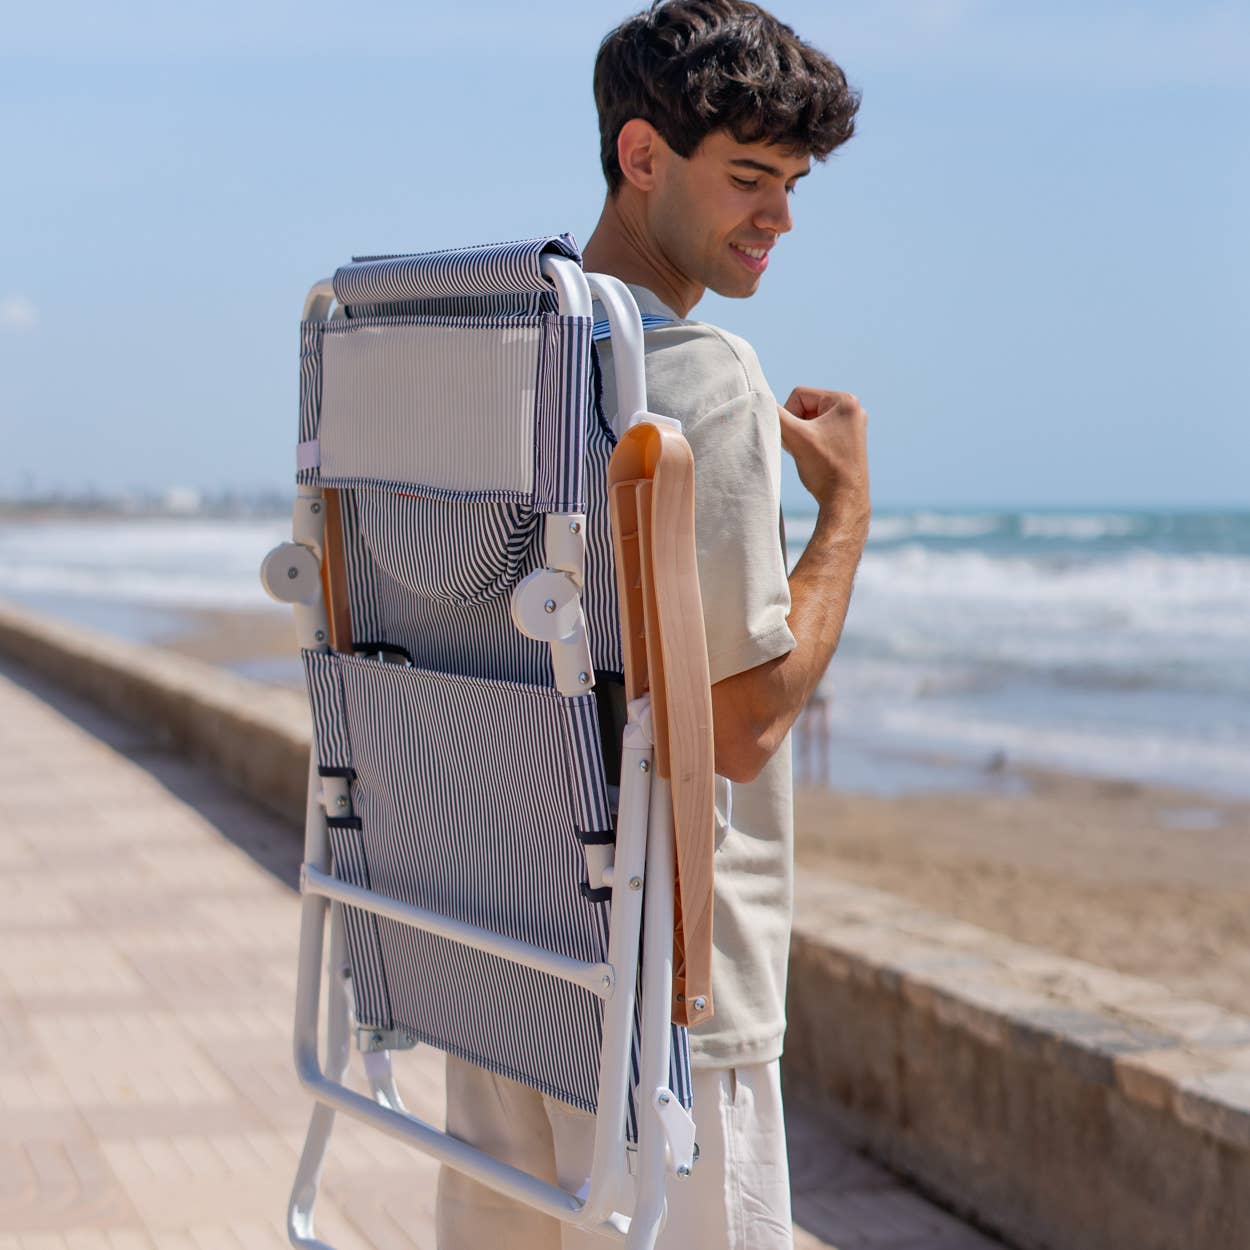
x: 603, y: 329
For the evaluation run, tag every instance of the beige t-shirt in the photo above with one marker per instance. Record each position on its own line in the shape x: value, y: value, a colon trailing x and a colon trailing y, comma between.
x: 712, y: 383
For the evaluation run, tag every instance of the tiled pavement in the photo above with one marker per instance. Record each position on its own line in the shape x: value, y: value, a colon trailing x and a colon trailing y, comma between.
x: 147, y: 1099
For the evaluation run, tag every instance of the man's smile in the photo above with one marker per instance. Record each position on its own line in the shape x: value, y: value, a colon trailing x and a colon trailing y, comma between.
x: 755, y: 258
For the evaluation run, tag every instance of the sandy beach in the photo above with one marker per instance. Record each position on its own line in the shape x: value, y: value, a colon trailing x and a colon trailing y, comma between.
x: 1148, y: 880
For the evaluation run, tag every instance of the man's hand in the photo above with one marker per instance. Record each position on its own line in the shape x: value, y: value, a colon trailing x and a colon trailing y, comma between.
x: 826, y: 433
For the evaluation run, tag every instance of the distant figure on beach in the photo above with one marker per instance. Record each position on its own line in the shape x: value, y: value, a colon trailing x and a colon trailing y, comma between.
x: 814, y: 740
x: 710, y: 111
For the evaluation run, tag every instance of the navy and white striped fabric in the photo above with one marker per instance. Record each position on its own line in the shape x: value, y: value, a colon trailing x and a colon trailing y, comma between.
x: 550, y: 417
x: 469, y: 797
x: 369, y: 989
x: 490, y: 269
x: 473, y: 780
x: 434, y: 577
x: 452, y: 612
x: 602, y: 329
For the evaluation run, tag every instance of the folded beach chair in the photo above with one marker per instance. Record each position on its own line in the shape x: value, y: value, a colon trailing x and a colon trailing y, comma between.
x: 509, y: 829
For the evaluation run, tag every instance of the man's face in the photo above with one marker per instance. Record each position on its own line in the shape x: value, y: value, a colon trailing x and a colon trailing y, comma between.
x: 716, y: 215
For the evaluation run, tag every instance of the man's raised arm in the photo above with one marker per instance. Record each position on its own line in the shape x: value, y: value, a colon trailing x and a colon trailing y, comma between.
x: 825, y: 432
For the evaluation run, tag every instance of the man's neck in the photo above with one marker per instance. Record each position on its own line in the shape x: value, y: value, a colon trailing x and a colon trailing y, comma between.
x: 621, y: 246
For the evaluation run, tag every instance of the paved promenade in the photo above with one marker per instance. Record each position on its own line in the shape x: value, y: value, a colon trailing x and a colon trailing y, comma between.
x: 147, y: 1099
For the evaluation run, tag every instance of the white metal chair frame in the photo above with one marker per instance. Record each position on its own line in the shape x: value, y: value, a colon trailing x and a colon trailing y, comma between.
x: 624, y: 1202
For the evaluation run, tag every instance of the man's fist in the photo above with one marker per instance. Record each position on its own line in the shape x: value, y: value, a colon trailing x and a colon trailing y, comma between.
x: 826, y: 433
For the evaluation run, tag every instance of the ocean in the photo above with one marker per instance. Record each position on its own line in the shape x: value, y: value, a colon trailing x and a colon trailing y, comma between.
x: 1113, y: 643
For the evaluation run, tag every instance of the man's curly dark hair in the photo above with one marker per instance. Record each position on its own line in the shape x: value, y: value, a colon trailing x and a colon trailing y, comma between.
x: 690, y: 67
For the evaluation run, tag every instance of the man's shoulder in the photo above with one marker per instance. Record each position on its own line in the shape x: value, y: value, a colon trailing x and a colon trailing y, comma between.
x: 696, y: 366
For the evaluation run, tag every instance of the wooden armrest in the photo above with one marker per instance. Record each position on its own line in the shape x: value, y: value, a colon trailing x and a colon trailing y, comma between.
x: 334, y: 573
x: 651, y: 494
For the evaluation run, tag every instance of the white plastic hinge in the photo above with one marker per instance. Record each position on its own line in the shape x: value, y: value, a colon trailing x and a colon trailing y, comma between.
x: 308, y: 519
x: 564, y: 546
x: 312, y: 630
x: 376, y: 1041
x: 655, y: 419
x: 291, y: 573
x: 547, y: 607
x: 336, y: 796
x: 678, y: 1126
x: 599, y: 862
x: 639, y: 731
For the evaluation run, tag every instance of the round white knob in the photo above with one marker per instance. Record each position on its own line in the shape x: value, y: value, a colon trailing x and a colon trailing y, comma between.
x: 291, y: 573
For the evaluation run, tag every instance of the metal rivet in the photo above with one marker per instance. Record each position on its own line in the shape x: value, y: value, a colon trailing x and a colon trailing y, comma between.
x: 683, y: 1171
x: 635, y: 883
x: 606, y: 982
x: 644, y: 766
x: 664, y: 1098
x: 575, y: 527
x: 378, y: 1039
x: 700, y: 1003
x: 549, y: 606
x: 315, y: 508
x: 320, y: 635
x: 583, y: 678
x: 341, y: 800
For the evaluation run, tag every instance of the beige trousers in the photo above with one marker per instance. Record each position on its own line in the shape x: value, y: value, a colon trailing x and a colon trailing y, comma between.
x: 737, y: 1199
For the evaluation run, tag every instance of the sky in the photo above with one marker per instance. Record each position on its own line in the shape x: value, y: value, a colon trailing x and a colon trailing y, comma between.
x: 1031, y: 263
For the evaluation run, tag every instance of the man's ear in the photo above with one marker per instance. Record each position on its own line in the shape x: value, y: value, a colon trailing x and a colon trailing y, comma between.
x: 639, y: 148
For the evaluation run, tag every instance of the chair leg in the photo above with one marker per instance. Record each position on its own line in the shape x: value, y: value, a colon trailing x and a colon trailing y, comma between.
x: 300, y: 1229
x: 299, y: 1219
x: 341, y: 1008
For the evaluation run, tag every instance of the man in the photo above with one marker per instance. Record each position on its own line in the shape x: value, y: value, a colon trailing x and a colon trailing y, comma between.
x: 710, y: 112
